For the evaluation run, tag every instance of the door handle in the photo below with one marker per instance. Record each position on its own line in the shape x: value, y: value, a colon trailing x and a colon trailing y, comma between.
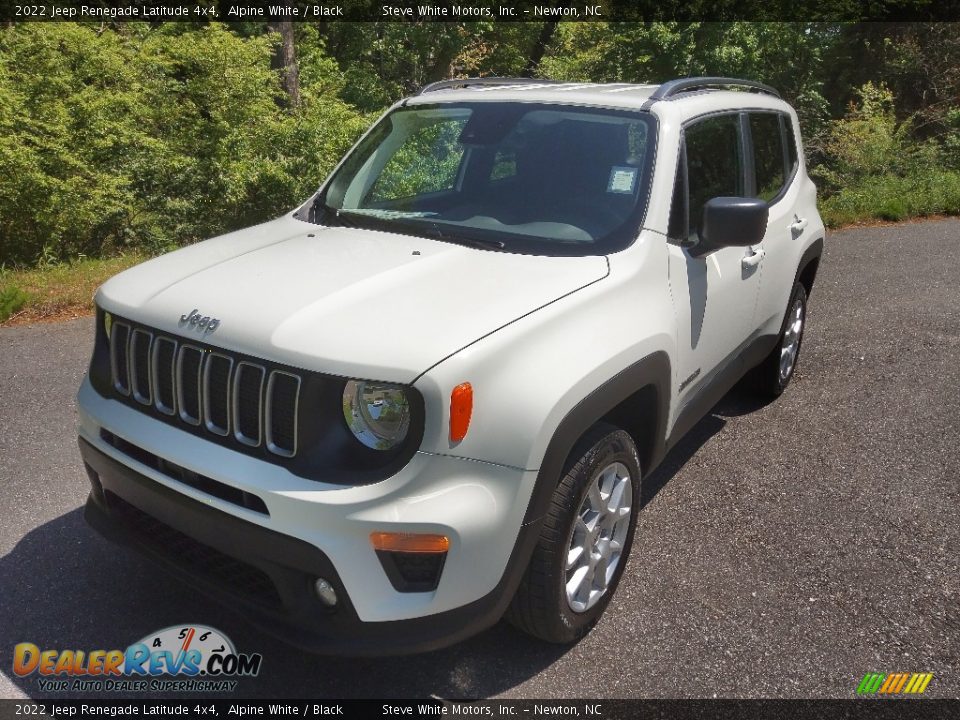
x: 754, y: 258
x: 799, y: 224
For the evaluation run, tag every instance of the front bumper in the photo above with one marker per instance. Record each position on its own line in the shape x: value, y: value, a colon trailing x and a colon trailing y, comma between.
x: 267, y: 575
x: 306, y: 528
x: 478, y: 506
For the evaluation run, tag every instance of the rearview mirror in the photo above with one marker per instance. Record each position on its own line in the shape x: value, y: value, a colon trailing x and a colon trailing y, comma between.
x: 732, y: 221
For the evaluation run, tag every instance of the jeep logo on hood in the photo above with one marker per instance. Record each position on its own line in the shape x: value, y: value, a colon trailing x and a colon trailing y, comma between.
x: 195, y: 321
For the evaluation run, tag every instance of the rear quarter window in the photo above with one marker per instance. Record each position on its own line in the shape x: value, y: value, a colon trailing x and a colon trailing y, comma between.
x: 791, y: 139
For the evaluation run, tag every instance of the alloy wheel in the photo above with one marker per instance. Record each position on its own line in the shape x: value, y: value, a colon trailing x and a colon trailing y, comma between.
x: 791, y: 339
x: 598, y: 537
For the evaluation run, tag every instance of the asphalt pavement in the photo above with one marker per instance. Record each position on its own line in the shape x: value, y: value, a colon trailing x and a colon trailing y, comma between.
x: 784, y: 550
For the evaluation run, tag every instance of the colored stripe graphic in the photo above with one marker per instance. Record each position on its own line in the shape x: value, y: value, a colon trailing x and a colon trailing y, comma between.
x: 894, y: 683
x: 870, y: 684
x: 901, y: 682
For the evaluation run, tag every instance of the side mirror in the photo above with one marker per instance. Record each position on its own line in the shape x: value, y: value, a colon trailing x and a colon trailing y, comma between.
x: 732, y: 221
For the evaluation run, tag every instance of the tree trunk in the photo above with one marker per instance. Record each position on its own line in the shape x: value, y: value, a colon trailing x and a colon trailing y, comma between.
x: 440, y: 67
x: 540, y: 47
x: 285, y: 60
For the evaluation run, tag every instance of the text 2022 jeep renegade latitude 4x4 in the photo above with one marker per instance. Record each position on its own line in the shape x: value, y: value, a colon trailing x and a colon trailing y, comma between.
x: 428, y: 397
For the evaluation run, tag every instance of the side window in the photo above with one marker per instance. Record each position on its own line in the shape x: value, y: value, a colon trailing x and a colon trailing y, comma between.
x: 768, y: 155
x: 714, y: 162
x: 428, y: 161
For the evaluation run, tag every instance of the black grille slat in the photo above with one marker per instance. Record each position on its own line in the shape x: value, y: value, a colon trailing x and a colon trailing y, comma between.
x: 216, y: 393
x: 164, y: 366
x: 247, y: 392
x: 239, y: 398
x: 119, y: 346
x: 190, y: 363
x: 283, y: 390
x: 140, y: 365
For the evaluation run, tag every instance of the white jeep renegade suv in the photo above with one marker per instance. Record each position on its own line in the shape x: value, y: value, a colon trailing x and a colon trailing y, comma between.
x: 429, y: 396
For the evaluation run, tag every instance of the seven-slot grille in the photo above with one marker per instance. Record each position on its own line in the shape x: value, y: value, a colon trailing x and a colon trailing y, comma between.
x: 206, y: 387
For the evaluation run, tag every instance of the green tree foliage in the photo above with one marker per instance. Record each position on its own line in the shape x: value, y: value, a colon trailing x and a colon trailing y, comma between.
x: 868, y: 141
x: 385, y: 61
x: 158, y: 135
x: 12, y: 299
x: 875, y: 166
x: 788, y: 56
x: 154, y: 136
x: 427, y: 161
x: 918, y: 62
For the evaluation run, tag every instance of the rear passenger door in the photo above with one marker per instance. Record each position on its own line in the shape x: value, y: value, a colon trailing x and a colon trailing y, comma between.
x: 774, y: 160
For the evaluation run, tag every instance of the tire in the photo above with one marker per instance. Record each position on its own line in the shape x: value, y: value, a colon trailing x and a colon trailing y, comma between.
x: 542, y: 607
x: 775, y: 372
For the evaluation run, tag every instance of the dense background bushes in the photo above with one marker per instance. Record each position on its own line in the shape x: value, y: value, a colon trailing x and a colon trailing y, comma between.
x: 152, y: 137
x: 137, y: 137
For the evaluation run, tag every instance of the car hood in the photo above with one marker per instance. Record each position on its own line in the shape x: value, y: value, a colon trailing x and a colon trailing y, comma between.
x: 351, y: 302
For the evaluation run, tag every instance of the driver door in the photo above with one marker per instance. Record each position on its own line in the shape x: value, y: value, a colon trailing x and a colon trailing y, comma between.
x: 714, y: 293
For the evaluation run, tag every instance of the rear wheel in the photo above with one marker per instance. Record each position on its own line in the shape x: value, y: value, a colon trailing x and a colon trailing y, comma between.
x: 775, y: 372
x: 584, y: 542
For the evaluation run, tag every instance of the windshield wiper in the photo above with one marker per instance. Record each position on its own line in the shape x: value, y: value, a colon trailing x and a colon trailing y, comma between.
x: 420, y: 227
x: 470, y: 242
x: 433, y: 229
x: 347, y: 219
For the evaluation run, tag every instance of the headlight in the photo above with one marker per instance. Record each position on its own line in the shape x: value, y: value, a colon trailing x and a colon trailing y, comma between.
x: 378, y: 415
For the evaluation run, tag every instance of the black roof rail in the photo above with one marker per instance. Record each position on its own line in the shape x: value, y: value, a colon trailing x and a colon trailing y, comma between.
x: 470, y: 82
x: 672, y: 88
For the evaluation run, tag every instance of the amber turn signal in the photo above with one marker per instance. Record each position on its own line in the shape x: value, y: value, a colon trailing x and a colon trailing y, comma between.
x: 461, y: 407
x: 409, y: 542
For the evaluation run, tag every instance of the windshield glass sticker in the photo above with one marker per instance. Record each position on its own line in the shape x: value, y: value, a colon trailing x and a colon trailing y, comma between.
x: 622, y: 179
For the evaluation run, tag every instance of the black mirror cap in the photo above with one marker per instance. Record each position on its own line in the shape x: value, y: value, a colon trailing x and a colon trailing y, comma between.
x: 733, y: 221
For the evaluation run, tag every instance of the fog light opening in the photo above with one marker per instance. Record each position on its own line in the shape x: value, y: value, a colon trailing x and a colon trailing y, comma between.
x: 413, y: 562
x: 325, y: 592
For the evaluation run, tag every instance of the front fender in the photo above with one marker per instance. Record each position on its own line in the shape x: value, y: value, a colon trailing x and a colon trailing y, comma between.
x: 529, y: 376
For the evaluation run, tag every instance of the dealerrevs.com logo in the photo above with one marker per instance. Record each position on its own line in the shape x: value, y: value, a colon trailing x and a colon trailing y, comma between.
x: 181, y: 658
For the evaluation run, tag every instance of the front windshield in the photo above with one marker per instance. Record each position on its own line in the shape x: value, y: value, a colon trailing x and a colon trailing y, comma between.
x: 534, y: 178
